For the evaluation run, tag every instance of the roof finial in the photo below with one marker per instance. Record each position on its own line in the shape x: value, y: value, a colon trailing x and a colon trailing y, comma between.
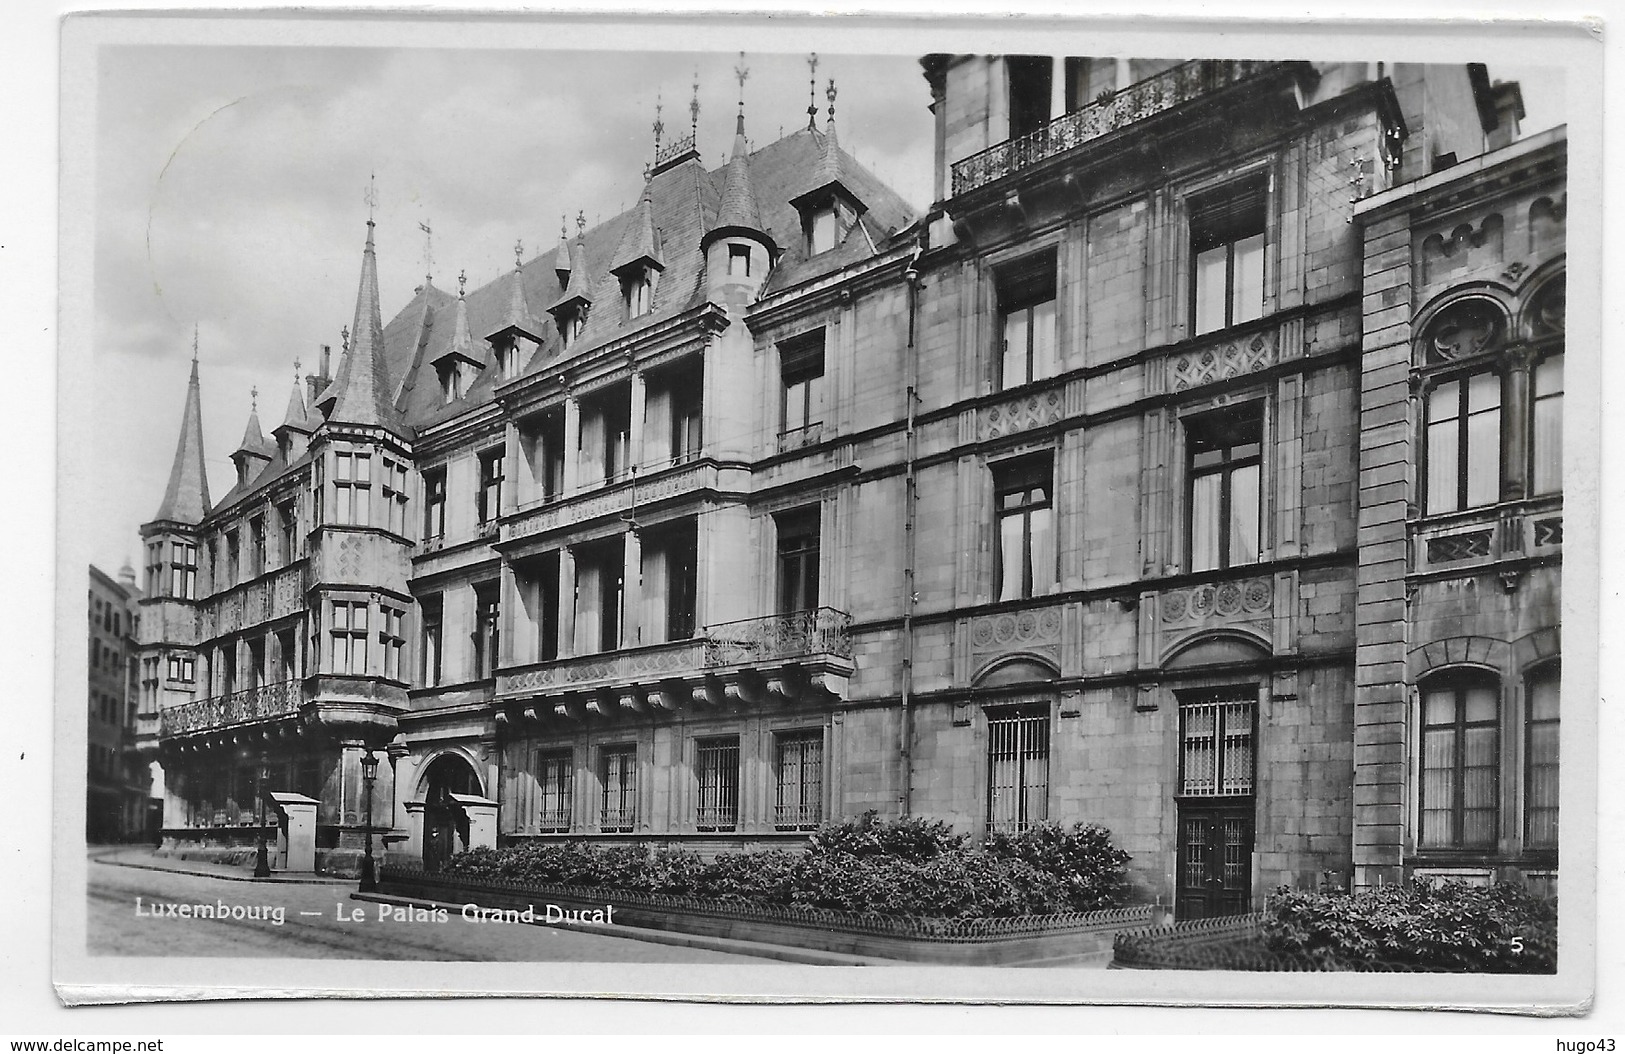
x: 518, y: 252
x: 428, y: 251
x: 829, y: 93
x: 694, y: 105
x: 254, y: 399
x: 812, y: 91
x: 371, y: 196
x: 296, y: 365
x: 659, y: 125
x: 741, y: 71
x: 462, y: 280
x: 344, y: 337
x: 194, y: 343
x: 581, y: 222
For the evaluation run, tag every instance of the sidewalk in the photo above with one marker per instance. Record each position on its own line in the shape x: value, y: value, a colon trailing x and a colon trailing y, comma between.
x: 145, y: 857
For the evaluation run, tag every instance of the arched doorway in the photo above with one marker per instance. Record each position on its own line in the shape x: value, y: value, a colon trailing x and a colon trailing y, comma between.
x: 444, y: 825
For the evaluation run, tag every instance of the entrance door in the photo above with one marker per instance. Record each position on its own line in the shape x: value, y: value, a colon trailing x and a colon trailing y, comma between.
x: 442, y: 819
x: 1215, y: 858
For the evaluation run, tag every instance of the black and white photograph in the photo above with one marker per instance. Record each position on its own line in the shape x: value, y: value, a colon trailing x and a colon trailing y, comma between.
x: 844, y: 510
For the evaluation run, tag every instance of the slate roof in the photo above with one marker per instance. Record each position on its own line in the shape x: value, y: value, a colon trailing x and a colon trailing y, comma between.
x: 360, y: 392
x: 186, y: 498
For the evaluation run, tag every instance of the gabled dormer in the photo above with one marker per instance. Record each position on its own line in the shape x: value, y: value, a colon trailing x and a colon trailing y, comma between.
x: 570, y: 310
x: 292, y: 436
x: 254, y: 452
x: 828, y: 207
x: 462, y: 359
x: 637, y: 262
x: 519, y: 332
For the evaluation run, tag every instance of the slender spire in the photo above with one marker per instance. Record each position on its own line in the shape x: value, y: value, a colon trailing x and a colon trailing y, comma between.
x: 576, y: 292
x: 812, y: 92
x: 738, y: 212
x: 253, y: 444
x: 297, y: 419
x: 462, y: 337
x: 359, y: 394
x: 694, y: 107
x: 186, y: 498
x: 517, y: 321
x: 640, y: 242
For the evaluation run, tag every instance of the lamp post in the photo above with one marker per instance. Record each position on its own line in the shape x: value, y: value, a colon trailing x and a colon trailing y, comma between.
x: 369, y: 772
x: 262, y: 865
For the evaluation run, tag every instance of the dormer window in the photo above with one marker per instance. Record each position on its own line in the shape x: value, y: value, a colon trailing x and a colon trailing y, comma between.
x: 571, y: 324
x: 508, y: 357
x: 638, y: 292
x: 451, y: 383
x: 823, y: 228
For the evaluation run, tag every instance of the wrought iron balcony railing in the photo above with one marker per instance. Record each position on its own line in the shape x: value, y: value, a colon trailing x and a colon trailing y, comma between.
x: 1164, y: 91
x: 223, y: 711
x: 818, y: 631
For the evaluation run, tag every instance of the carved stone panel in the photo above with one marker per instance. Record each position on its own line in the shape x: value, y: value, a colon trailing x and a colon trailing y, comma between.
x: 1218, y: 362
x: 1245, y: 603
x: 1020, y: 414
x: 1035, y: 631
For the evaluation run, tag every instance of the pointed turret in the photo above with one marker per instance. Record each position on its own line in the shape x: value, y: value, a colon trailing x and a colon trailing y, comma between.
x: 577, y: 294
x: 359, y: 394
x: 254, y: 452
x: 517, y: 320
x: 827, y: 186
x: 640, y: 242
x: 738, y: 214
x: 186, y: 499
x: 462, y: 348
x: 294, y: 431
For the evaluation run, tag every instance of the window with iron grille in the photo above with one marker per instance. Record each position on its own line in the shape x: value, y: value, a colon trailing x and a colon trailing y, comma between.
x: 1224, y: 455
x: 555, y: 778
x: 1227, y: 255
x: 1540, y: 738
x: 1461, y: 759
x: 619, y: 771
x: 1216, y: 744
x: 1017, y: 769
x: 798, y: 769
x: 716, y: 771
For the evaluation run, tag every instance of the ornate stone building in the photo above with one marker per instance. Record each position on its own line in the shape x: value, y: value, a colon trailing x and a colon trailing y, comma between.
x: 769, y: 501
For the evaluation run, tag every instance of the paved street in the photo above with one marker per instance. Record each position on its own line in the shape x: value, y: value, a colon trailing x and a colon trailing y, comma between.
x: 312, y: 929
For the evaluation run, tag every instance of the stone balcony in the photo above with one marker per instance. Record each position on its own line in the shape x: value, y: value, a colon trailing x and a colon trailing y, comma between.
x: 1501, y: 537
x: 1165, y: 91
x: 611, y: 498
x: 804, y: 657
x: 253, y: 706
x: 267, y: 597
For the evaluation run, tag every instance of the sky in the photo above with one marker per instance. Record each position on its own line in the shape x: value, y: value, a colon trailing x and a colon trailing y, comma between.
x: 230, y: 184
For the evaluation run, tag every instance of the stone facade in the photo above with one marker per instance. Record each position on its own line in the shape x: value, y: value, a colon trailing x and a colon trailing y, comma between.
x: 117, y: 782
x: 1044, y: 505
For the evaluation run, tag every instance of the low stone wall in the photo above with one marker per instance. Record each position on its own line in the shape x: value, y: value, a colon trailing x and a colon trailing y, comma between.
x: 1075, y: 936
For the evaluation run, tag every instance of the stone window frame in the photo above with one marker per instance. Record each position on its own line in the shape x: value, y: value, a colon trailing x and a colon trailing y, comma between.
x: 1508, y: 715
x: 988, y: 332
x: 1029, y: 705
x: 777, y: 738
x: 1178, y: 495
x: 1539, y: 670
x: 1267, y: 168
x: 1021, y: 464
x: 1429, y: 372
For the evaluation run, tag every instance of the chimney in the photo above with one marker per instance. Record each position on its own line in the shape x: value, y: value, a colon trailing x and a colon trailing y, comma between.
x: 1508, y: 99
x: 317, y: 381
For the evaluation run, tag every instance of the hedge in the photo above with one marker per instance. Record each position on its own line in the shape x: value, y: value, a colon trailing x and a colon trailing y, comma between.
x: 901, y: 867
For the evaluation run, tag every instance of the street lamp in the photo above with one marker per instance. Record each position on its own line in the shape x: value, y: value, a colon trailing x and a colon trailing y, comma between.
x: 369, y: 772
x: 262, y: 865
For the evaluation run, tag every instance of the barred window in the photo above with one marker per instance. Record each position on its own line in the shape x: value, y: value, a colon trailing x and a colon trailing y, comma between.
x: 392, y: 640
x: 619, y: 770
x: 555, y: 777
x: 1017, y: 769
x: 1540, y: 736
x: 1216, y: 755
x: 349, y: 635
x: 352, y: 487
x: 394, y: 483
x: 716, y: 768
x: 798, y: 801
x: 1461, y: 757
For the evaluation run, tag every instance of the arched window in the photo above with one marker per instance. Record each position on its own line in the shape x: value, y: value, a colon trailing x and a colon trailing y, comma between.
x: 1546, y: 327
x: 1463, y: 409
x: 1540, y: 725
x: 1459, y: 790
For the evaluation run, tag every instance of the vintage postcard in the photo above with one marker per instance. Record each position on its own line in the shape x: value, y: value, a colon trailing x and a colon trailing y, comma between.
x: 818, y: 509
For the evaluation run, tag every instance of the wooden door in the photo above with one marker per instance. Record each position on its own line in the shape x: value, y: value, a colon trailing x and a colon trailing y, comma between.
x: 1215, y: 859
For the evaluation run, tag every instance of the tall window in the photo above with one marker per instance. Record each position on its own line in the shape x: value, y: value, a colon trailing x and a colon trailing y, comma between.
x: 232, y: 547
x: 617, y: 419
x: 611, y: 599
x: 1546, y: 430
x: 1216, y: 756
x: 434, y: 504
x: 155, y: 569
x: 1464, y: 443
x: 451, y: 382
x: 681, y: 586
x: 619, y: 771
x: 1029, y: 86
x: 1540, y: 758
x: 798, y: 779
x: 686, y: 417
x: 1223, y: 454
x: 1026, y: 522
x: 801, y: 370
x: 392, y: 640
x: 487, y: 621
x: 490, y: 495
x: 256, y: 547
x: 1227, y: 256
x: 571, y: 324
x: 349, y: 636
x: 1017, y: 769
x: 555, y: 774
x: 798, y: 561
x: 1461, y: 756
x: 1026, y: 292
x: 716, y: 770
x: 352, y: 487
x: 430, y: 613
x: 287, y: 519
x: 394, y: 483
x: 183, y: 570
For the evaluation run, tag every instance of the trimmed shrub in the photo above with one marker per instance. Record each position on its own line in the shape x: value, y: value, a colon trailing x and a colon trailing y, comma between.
x: 1451, y: 927
x: 911, y: 838
x: 1093, y: 872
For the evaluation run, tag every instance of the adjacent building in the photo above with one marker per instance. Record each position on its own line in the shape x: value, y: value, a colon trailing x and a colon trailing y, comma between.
x: 770, y: 501
x: 117, y: 781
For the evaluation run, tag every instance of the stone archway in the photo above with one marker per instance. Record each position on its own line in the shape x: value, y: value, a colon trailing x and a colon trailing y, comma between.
x: 445, y: 825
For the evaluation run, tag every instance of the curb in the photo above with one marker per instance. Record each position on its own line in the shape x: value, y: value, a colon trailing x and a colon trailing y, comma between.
x: 782, y: 953
x: 318, y: 880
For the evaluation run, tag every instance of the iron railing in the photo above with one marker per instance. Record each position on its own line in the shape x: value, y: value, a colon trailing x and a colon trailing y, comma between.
x: 817, y: 631
x: 277, y: 699
x: 1153, y: 95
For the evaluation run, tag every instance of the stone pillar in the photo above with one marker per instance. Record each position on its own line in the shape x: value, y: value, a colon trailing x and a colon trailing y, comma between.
x: 413, y: 846
x: 1515, y: 395
x: 572, y: 443
x: 634, y: 437
x: 1057, y: 88
x: 513, y: 457
x: 567, y: 600
x: 631, y: 589
x: 509, y: 643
